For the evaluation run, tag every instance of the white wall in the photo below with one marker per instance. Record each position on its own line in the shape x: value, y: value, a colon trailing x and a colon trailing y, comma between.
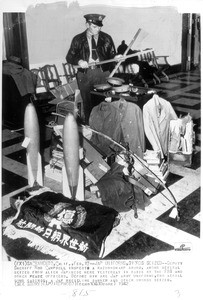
x: 51, y: 27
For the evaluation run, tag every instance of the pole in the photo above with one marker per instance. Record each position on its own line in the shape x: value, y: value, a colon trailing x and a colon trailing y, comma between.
x: 125, y: 53
x: 115, y: 59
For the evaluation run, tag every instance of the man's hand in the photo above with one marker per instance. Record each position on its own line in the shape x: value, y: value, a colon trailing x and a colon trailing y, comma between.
x: 83, y: 64
x: 92, y: 61
x: 119, y: 57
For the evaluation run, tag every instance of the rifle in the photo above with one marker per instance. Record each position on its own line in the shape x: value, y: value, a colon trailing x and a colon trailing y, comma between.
x: 123, y: 58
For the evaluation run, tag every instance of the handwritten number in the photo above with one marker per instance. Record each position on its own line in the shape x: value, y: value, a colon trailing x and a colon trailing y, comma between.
x: 82, y: 293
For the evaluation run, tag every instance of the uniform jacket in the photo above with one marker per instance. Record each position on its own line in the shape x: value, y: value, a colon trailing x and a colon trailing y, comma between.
x: 105, y: 119
x: 79, y: 49
x: 120, y: 120
x: 131, y: 122
x: 157, y: 113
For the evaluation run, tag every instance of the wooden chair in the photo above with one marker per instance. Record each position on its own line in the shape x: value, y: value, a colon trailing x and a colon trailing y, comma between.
x: 50, y: 76
x: 71, y: 105
x: 42, y: 93
x: 151, y: 67
x: 159, y: 62
x: 41, y: 84
x: 69, y: 72
x: 70, y: 75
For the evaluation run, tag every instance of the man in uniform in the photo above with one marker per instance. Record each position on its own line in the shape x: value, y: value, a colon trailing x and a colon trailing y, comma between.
x: 92, y: 45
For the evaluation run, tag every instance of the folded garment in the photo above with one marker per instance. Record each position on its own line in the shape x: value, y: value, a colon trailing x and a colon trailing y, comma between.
x: 116, y: 192
x: 24, y: 79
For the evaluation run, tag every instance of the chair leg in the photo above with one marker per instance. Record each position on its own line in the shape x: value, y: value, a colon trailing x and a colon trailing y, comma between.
x: 157, y: 78
x: 166, y: 76
x: 145, y: 84
x: 143, y: 81
x: 154, y: 80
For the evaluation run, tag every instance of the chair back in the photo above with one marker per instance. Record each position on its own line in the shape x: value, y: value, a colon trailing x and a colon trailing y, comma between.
x: 149, y: 56
x: 50, y: 76
x: 41, y: 84
x: 69, y: 71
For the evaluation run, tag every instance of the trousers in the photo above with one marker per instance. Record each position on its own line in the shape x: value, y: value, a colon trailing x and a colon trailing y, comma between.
x: 86, y: 81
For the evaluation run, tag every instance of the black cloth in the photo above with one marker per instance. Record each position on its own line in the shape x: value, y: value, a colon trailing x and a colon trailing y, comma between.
x: 87, y: 78
x: 116, y: 192
x: 25, y: 80
x: 145, y: 69
x: 76, y: 226
x: 122, y: 48
x: 13, y: 104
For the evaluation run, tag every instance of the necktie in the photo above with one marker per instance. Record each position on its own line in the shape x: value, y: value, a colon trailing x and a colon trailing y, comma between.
x: 94, y: 50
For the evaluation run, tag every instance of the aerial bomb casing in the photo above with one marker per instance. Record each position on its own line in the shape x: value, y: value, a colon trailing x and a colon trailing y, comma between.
x: 71, y: 152
x: 32, y: 134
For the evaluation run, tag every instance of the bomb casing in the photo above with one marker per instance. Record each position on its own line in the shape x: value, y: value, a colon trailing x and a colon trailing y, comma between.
x: 71, y: 152
x: 32, y: 144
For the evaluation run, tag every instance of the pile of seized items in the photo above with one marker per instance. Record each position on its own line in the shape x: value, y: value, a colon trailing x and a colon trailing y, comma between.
x: 126, y: 150
x: 104, y: 167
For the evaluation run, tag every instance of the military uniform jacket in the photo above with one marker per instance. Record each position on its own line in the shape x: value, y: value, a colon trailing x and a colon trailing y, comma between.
x: 120, y: 120
x: 79, y: 49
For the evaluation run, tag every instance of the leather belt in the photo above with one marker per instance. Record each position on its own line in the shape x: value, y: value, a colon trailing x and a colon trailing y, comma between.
x: 91, y: 68
x: 95, y: 67
x: 82, y: 70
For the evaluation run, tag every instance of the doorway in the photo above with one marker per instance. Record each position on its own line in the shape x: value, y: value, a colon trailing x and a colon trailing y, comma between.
x: 15, y: 37
x: 191, y: 42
